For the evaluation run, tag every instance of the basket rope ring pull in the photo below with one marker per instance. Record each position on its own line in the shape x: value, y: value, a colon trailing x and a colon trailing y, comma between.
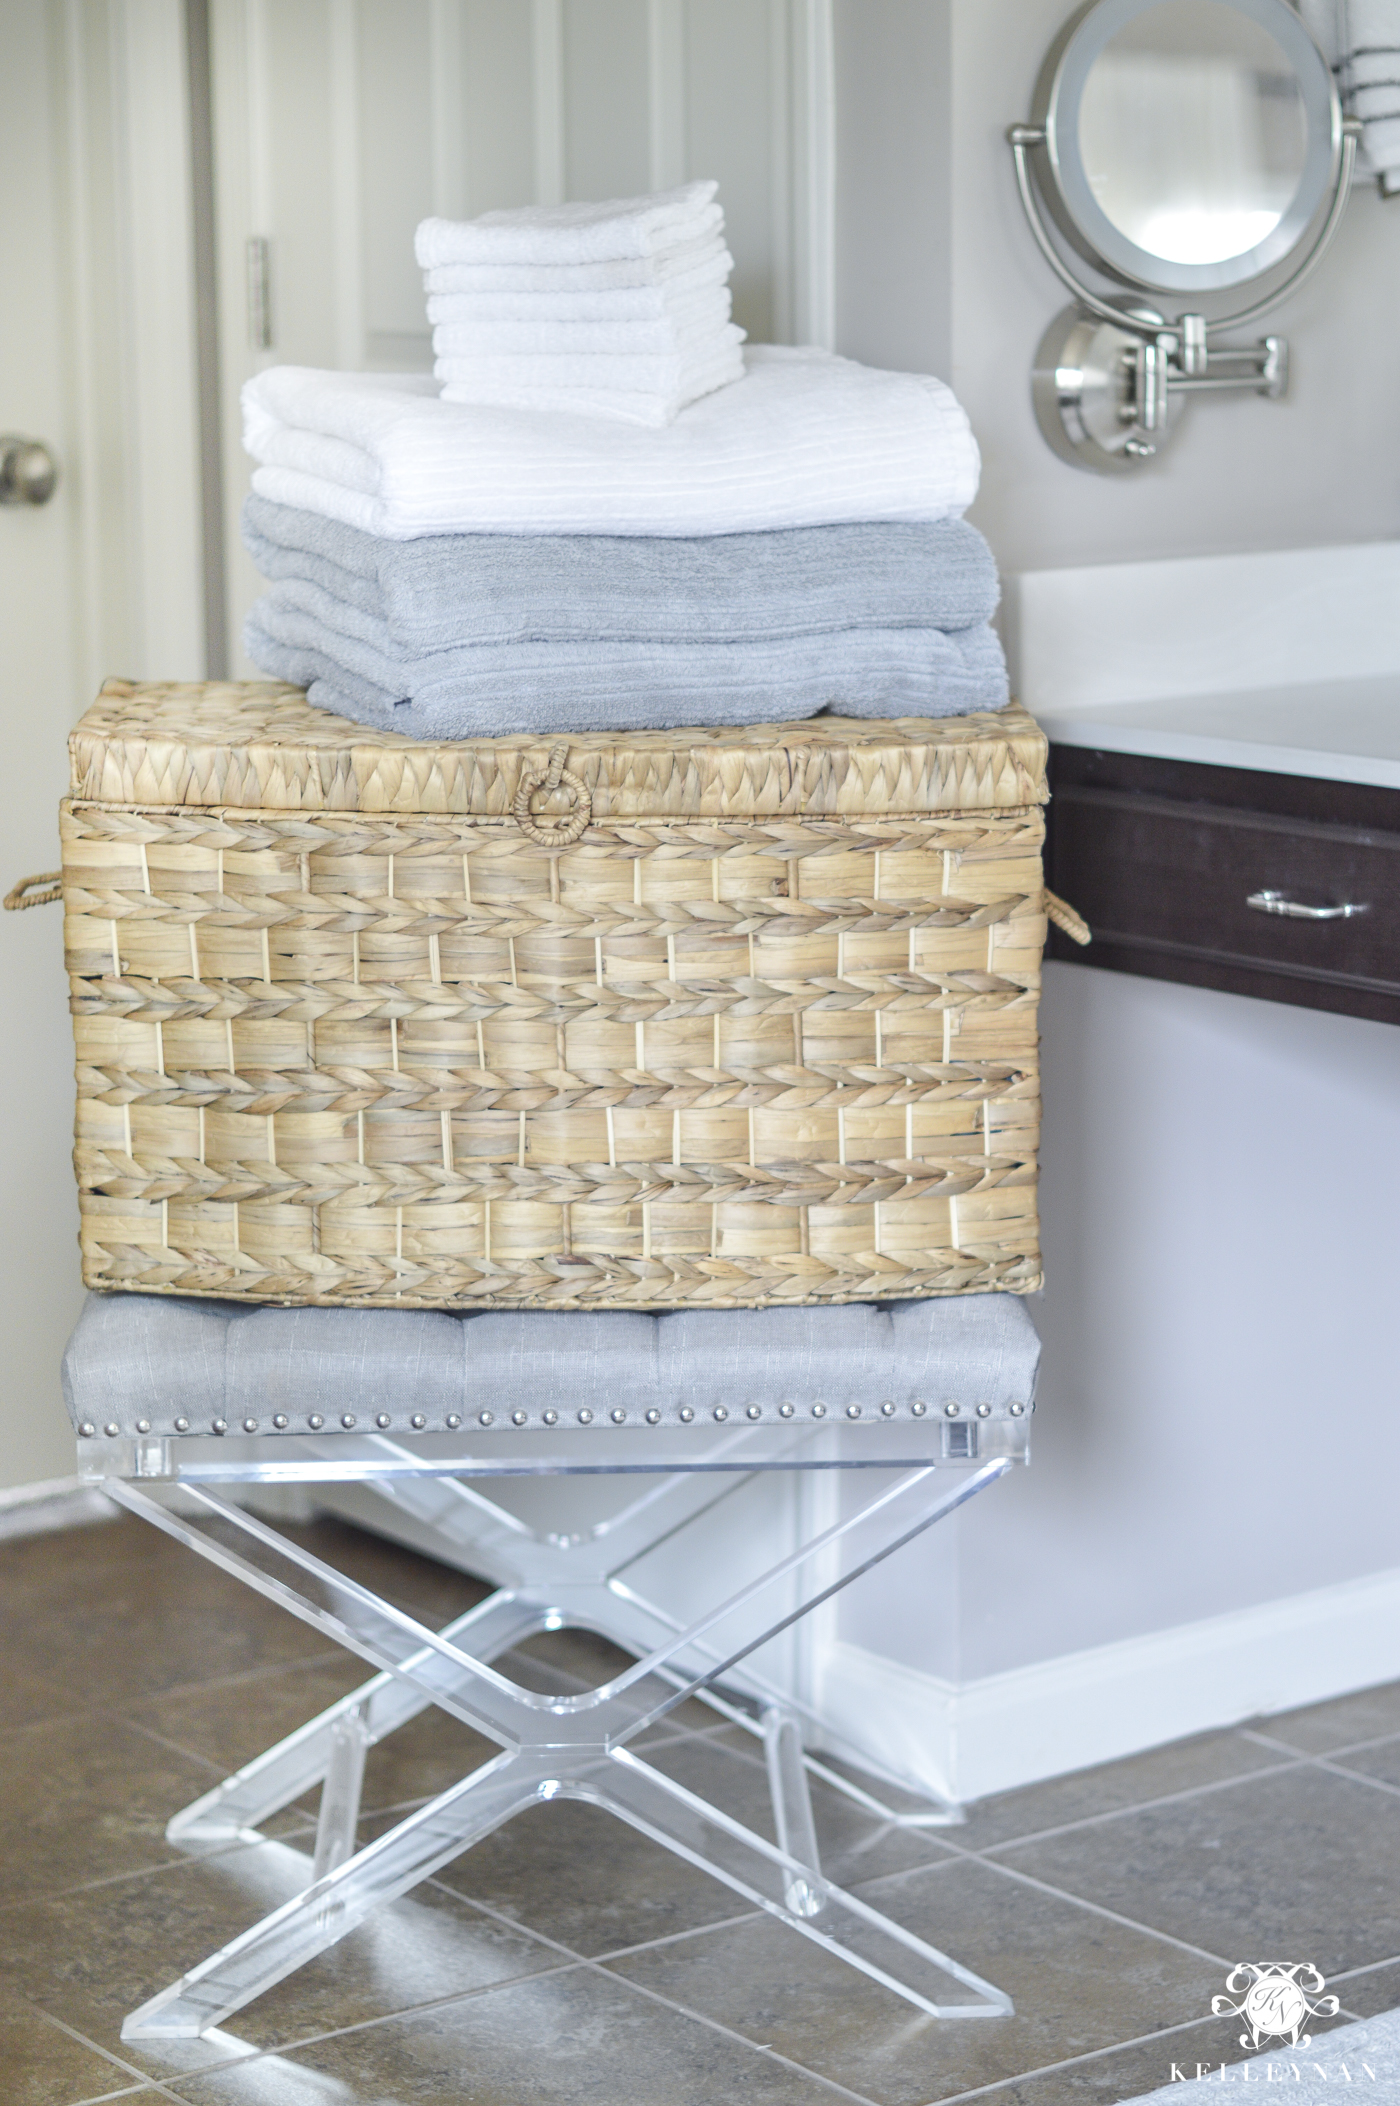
x: 23, y: 895
x: 553, y: 833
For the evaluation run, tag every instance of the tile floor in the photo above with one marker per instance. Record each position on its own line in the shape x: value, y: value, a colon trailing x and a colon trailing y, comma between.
x: 567, y: 1959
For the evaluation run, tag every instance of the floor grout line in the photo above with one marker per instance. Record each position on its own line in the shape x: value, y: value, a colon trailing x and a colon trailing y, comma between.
x: 1044, y: 1886
x: 1118, y: 1813
x: 144, y: 2081
x: 158, y: 1871
x: 715, y: 2025
x: 1050, y: 2069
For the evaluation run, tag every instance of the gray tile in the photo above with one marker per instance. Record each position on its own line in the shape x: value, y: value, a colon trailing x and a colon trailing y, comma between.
x: 1185, y: 1765
x: 1382, y: 1763
x: 43, y: 2066
x: 1302, y: 1864
x: 581, y: 1876
x: 1078, y: 1982
x: 94, y: 1957
x: 226, y: 1724
x: 580, y: 2038
x: 1126, y: 2073
x: 1317, y: 1728
x: 1367, y: 1995
x: 105, y: 1634
x: 82, y: 1800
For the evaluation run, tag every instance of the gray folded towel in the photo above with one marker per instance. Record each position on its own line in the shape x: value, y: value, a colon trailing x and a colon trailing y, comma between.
x: 490, y: 690
x: 451, y: 589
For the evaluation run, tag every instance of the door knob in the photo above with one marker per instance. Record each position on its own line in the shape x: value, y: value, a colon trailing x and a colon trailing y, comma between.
x: 28, y: 471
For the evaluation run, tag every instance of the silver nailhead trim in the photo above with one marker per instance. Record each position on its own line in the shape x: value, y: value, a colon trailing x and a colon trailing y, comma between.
x: 221, y: 1425
x: 984, y: 1411
x: 919, y: 1409
x: 853, y: 1411
x: 87, y: 1429
x: 143, y: 1425
x: 181, y: 1426
x: 551, y: 1418
x: 819, y: 1411
x: 518, y: 1418
x: 887, y: 1409
x: 347, y: 1419
x: 950, y: 1411
x: 486, y: 1418
x: 755, y: 1411
x: 279, y: 1420
x: 618, y: 1415
x: 250, y: 1425
x: 454, y: 1420
x: 686, y: 1414
x: 112, y: 1429
x: 418, y: 1421
x: 785, y: 1411
x: 1017, y: 1410
x: 382, y: 1420
x: 721, y: 1411
x: 653, y: 1417
x: 315, y: 1422
x: 585, y: 1417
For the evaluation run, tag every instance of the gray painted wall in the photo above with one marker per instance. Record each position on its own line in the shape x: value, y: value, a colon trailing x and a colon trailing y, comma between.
x: 1219, y: 1231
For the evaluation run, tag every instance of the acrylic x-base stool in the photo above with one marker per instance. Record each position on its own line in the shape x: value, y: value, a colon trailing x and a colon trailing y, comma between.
x: 175, y: 1402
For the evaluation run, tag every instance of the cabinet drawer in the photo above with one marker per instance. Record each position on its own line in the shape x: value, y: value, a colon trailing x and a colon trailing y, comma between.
x: 1165, y: 886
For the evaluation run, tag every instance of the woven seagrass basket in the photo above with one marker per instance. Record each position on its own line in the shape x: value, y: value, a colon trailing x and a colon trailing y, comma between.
x: 707, y: 1018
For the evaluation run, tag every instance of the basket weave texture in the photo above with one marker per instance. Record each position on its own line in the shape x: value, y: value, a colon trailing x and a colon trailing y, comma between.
x: 760, y: 1029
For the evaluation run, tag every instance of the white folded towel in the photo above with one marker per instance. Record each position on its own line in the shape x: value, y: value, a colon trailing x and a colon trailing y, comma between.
x: 1361, y: 41
x: 585, y: 292
x: 639, y: 390
x: 701, y: 324
x: 708, y: 307
x: 571, y: 234
x: 804, y: 439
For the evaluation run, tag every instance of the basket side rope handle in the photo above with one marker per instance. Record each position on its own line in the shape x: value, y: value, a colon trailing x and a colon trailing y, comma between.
x: 25, y: 895
x: 1064, y: 917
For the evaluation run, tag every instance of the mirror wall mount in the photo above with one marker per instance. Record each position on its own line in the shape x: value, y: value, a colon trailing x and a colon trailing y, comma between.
x: 1112, y: 373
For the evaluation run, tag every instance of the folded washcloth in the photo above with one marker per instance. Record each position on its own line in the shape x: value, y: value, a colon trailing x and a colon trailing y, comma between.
x: 670, y: 266
x: 639, y: 390
x: 448, y: 589
x: 455, y: 295
x: 1361, y: 41
x: 467, y: 332
x: 571, y: 234
x: 489, y: 690
x: 804, y: 439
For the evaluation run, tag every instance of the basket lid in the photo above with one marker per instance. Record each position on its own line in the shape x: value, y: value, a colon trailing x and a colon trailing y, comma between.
x: 260, y: 745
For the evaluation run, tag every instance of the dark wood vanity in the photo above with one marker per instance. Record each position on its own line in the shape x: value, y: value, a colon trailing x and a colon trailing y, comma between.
x: 1161, y: 857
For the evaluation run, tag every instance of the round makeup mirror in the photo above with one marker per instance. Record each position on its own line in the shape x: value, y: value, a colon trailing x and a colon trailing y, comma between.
x: 1189, y: 143
x: 1181, y: 147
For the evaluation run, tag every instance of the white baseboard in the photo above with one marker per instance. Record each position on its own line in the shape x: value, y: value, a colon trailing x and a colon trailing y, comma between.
x: 1113, y: 1700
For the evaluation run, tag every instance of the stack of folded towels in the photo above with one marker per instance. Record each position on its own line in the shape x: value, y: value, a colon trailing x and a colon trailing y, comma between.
x: 538, y: 540
x: 617, y: 311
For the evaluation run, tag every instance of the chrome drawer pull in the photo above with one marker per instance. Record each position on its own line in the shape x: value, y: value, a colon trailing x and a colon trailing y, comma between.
x: 1280, y: 903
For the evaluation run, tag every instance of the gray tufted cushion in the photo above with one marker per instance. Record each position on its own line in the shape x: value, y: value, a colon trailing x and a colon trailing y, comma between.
x: 159, y: 1358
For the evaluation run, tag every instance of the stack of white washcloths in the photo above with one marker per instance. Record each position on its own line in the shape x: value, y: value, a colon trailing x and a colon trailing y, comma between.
x: 541, y: 541
x: 617, y: 310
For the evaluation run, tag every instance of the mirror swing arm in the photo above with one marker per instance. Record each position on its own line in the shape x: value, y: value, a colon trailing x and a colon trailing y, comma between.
x: 1112, y: 372
x: 1134, y: 354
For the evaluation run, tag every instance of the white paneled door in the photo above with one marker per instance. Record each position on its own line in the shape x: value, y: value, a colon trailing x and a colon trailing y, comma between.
x: 339, y: 124
x: 96, y: 361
